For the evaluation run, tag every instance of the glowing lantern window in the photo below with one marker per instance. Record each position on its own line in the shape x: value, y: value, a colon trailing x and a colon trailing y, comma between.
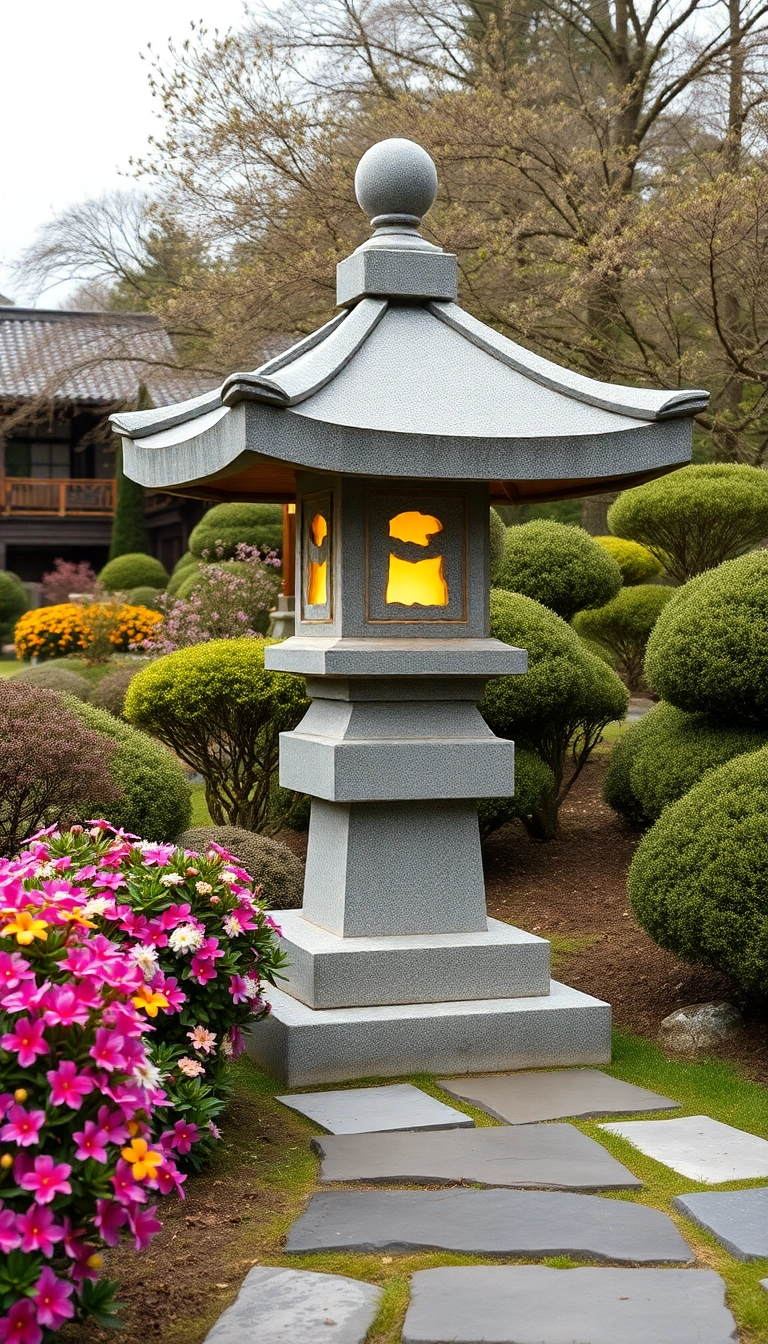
x: 415, y: 527
x: 317, y: 563
x: 317, y: 587
x: 416, y: 582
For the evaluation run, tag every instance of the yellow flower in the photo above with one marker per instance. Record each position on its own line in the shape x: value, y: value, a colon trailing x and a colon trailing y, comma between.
x: 143, y: 1162
x: 20, y: 1094
x: 149, y: 1000
x: 76, y: 916
x: 26, y: 928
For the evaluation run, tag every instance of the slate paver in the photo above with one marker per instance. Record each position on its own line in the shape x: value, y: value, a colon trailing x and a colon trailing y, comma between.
x: 698, y: 1147
x: 531, y: 1304
x: 738, y: 1218
x: 524, y: 1098
x: 367, y: 1110
x: 487, y: 1222
x: 295, y: 1306
x: 552, y: 1156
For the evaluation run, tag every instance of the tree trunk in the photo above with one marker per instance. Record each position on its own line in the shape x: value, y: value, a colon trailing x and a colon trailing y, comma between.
x: 594, y: 513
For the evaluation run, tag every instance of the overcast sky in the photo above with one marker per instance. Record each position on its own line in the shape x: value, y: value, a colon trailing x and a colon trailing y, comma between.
x: 75, y: 104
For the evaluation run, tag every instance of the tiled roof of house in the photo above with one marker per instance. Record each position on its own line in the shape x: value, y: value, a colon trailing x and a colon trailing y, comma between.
x: 90, y: 357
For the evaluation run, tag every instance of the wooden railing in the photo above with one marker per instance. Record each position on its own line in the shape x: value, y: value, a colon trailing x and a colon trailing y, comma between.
x: 25, y: 495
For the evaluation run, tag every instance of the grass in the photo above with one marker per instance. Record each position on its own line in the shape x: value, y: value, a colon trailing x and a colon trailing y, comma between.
x: 9, y: 666
x: 200, y: 814
x: 287, y: 1165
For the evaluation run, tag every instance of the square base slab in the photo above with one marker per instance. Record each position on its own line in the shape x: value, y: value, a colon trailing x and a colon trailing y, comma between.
x: 326, y: 971
x: 303, y: 1046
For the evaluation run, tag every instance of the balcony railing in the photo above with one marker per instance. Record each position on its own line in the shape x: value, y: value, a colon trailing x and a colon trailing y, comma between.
x: 48, y: 498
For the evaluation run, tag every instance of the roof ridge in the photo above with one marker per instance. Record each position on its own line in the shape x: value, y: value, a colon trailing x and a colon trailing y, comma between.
x: 44, y: 315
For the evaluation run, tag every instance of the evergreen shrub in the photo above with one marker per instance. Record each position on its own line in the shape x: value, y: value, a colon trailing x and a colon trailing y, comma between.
x: 636, y: 562
x: 54, y: 677
x: 145, y: 595
x: 533, y: 780
x: 132, y: 571
x: 498, y: 537
x: 181, y: 570
x: 559, y: 566
x: 277, y: 870
x: 230, y: 524
x: 14, y: 601
x: 622, y: 628
x: 110, y: 691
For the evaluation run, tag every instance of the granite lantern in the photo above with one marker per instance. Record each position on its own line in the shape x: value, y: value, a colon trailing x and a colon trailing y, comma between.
x: 393, y: 428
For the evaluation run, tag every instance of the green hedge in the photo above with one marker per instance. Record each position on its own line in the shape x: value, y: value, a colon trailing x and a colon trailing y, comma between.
x: 145, y: 596
x: 49, y: 677
x: 132, y: 571
x: 698, y: 882
x: 230, y: 524
x: 636, y: 562
x: 268, y: 861
x: 187, y: 565
x: 14, y: 601
x: 533, y: 780
x: 622, y: 628
x: 561, y: 567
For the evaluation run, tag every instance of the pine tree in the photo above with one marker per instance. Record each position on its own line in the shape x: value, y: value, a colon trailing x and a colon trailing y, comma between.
x: 129, y: 531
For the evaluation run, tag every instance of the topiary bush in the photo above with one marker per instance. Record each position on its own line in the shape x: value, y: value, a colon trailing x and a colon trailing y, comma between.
x: 109, y: 693
x: 533, y: 781
x: 14, y: 601
x: 181, y: 570
x: 156, y: 801
x: 132, y: 571
x: 560, y: 707
x: 272, y: 864
x: 559, y: 566
x: 49, y: 677
x: 229, y: 524
x: 622, y: 629
x: 498, y: 538
x: 636, y: 562
x: 698, y: 883
x: 695, y: 518
x: 145, y: 596
x: 661, y: 756
x: 708, y: 651
x: 221, y: 711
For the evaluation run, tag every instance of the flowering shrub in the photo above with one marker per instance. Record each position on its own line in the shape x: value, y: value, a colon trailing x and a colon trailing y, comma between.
x: 66, y: 578
x: 52, y: 632
x: 220, y: 599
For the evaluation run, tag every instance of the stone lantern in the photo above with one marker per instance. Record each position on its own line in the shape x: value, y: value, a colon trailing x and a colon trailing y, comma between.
x: 393, y: 428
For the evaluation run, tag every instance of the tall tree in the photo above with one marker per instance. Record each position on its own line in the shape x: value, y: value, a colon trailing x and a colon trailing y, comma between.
x: 129, y: 528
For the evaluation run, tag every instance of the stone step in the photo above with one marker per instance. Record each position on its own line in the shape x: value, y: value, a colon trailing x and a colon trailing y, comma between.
x: 737, y: 1218
x: 367, y: 1110
x: 525, y: 1098
x: 698, y: 1147
x: 297, y: 1306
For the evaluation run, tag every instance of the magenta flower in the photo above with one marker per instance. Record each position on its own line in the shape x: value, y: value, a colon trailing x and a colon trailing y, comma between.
x: 157, y: 854
x: 27, y: 1040
x: 52, y: 1300
x: 13, y: 969
x: 27, y: 997
x: 184, y: 1135
x: 109, y: 1218
x: 38, y: 1230
x: 107, y: 1049
x: 143, y: 1225
x: 237, y: 989
x: 113, y: 1124
x: 20, y: 1325
x: 125, y: 1188
x: 23, y: 1127
x: 69, y: 1005
x: 91, y: 1142
x: 47, y: 1179
x: 68, y: 1087
x: 168, y: 985
x: 202, y: 970
x: 10, y: 1237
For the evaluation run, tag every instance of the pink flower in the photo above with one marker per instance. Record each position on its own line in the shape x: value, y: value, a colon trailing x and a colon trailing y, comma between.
x: 214, y: 1129
x: 270, y: 923
x: 47, y: 1179
x: 238, y: 1042
x: 13, y: 969
x: 192, y: 1068
x: 109, y: 881
x: 126, y: 1189
x: 109, y: 1218
x: 202, y: 1039
x: 184, y: 1135
x: 202, y: 970
x: 38, y: 1230
x: 52, y: 1300
x: 85, y: 874
x: 91, y: 1142
x: 113, y: 1125
x: 27, y: 1040
x: 107, y: 1049
x: 175, y: 914
x: 69, y: 1005
x: 144, y: 1225
x: 237, y: 989
x: 23, y: 1127
x: 20, y: 1325
x: 26, y: 998
x: 157, y: 854
x: 68, y: 1087
x: 168, y: 985
x: 9, y: 1232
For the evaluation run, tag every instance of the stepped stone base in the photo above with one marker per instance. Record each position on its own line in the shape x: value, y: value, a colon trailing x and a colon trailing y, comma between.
x: 303, y: 1046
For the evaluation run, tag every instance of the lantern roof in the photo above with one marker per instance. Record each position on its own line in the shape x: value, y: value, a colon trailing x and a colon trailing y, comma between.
x: 404, y: 382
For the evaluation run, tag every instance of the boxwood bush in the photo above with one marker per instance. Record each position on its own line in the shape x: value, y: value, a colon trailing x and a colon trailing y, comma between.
x: 14, y: 601
x: 708, y: 651
x: 132, y: 571
x: 636, y: 562
x: 562, y: 567
x: 699, y: 880
x: 49, y: 677
x: 533, y: 781
x: 145, y: 596
x: 182, y: 569
x: 110, y: 691
x: 255, y: 524
x: 274, y: 866
x: 622, y: 627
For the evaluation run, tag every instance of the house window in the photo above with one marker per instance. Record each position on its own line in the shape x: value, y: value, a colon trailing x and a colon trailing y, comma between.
x: 42, y: 459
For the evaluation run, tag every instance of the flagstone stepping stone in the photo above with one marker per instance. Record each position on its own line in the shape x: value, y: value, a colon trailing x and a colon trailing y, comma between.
x: 531, y: 1304
x: 524, y: 1098
x: 294, y: 1306
x: 698, y: 1147
x: 556, y: 1156
x: 367, y: 1110
x: 738, y: 1218
x: 486, y: 1222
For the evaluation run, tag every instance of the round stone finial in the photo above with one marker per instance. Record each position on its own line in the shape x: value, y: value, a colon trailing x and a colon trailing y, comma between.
x: 395, y: 183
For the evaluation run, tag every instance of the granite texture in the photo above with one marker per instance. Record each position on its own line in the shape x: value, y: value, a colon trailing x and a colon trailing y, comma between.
x: 524, y: 1098
x: 421, y: 275
x: 295, y: 1306
x: 331, y: 656
x: 486, y: 1222
x: 304, y: 1046
x: 364, y: 1110
x: 531, y: 1304
x: 703, y: 1149
x: 557, y: 1157
x: 326, y: 971
x: 737, y: 1218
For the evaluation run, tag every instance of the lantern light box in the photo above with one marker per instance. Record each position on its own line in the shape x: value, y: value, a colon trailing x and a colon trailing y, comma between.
x: 393, y: 428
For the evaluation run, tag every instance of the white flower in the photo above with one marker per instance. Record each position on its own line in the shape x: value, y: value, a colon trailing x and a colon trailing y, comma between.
x: 251, y: 987
x: 45, y: 870
x: 191, y: 1067
x: 203, y: 888
x: 96, y: 906
x: 227, y: 1048
x: 145, y: 957
x: 232, y: 926
x: 186, y: 938
x: 171, y: 880
x: 228, y: 877
x: 148, y: 1075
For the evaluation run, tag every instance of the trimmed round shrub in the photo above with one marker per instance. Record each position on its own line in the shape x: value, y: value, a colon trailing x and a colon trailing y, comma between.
x: 698, y: 883
x: 132, y: 571
x: 562, y: 567
x: 269, y: 862
x: 636, y: 562
x: 498, y: 537
x: 222, y: 712
x: 181, y: 570
x: 695, y: 518
x: 255, y: 524
x: 157, y: 800
x: 622, y: 628
x: 661, y: 756
x: 49, y: 677
x: 708, y: 651
x: 145, y: 596
x: 110, y: 691
x: 14, y: 601
x: 533, y: 779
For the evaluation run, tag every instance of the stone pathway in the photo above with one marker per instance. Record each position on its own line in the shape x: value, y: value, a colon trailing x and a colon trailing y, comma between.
x: 357, y: 1110
x: 291, y: 1306
x: 700, y: 1148
x: 524, y: 1098
x: 738, y: 1218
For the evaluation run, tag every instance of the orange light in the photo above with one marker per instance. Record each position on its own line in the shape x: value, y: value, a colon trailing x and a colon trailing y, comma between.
x: 319, y: 529
x: 417, y: 583
x: 291, y: 508
x: 317, y: 589
x: 415, y: 527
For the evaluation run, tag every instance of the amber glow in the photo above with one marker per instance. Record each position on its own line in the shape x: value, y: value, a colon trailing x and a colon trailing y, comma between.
x: 415, y: 527
x: 319, y: 529
x: 417, y: 583
x: 317, y: 589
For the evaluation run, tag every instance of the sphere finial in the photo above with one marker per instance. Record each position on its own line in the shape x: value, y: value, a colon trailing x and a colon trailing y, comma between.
x: 396, y: 183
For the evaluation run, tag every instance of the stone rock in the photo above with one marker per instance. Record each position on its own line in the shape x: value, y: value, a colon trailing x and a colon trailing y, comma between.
x: 524, y: 1098
x: 294, y: 1306
x: 530, y: 1304
x: 486, y: 1222
x: 699, y: 1026
x: 698, y: 1147
x: 544, y: 1156
x: 365, y: 1110
x: 737, y: 1218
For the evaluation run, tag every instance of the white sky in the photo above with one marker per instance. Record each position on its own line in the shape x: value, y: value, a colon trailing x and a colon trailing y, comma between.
x: 75, y: 104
